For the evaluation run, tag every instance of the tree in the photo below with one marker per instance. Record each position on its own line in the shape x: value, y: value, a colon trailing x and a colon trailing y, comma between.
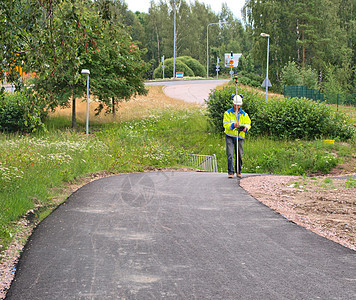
x: 66, y: 35
x: 116, y: 64
x: 307, y: 32
x: 290, y: 74
x: 59, y: 38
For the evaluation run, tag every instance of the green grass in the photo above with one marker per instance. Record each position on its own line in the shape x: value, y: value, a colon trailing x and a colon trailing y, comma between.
x: 349, y: 111
x: 33, y: 167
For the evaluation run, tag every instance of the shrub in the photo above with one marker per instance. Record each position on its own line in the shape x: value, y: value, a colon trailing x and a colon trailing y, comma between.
x: 288, y: 118
x: 220, y: 100
x: 21, y: 111
x: 250, y: 79
x: 245, y: 81
x: 168, y: 70
x: 197, y: 68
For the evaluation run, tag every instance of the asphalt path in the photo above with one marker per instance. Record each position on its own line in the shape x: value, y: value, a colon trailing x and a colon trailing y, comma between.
x: 193, y: 91
x: 177, y: 235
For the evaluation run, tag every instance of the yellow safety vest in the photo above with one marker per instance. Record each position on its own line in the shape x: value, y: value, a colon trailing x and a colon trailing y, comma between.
x: 230, y: 120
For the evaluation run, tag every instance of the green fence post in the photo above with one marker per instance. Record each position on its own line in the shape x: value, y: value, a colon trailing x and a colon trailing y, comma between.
x: 337, y: 101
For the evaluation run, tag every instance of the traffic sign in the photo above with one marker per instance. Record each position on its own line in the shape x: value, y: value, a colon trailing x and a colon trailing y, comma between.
x: 231, y: 62
x: 266, y: 82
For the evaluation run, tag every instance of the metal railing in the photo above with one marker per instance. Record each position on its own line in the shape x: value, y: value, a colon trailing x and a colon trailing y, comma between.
x: 206, y: 163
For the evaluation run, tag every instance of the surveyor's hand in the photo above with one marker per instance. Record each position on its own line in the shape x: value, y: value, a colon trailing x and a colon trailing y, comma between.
x: 236, y: 125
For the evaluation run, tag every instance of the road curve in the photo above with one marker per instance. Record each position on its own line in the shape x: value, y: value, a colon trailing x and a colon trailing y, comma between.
x: 176, y: 235
x: 193, y: 91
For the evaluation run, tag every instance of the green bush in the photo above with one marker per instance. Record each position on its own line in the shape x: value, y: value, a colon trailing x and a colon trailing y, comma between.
x: 245, y: 81
x: 288, y: 118
x: 20, y: 111
x: 197, y: 68
x: 220, y: 100
x: 250, y: 79
x: 168, y: 70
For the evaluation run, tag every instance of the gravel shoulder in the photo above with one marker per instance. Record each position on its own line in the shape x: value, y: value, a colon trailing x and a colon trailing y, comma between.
x: 324, y: 205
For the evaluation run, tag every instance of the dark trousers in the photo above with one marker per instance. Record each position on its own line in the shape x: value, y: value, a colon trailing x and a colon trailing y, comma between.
x: 231, y: 152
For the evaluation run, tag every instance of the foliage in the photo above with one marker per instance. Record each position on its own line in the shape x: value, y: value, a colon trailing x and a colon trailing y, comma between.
x: 290, y: 74
x: 190, y: 66
x: 57, y: 39
x: 302, y: 32
x: 250, y: 79
x: 220, y: 100
x: 22, y: 112
x: 246, y: 64
x: 192, y: 20
x: 194, y: 65
x: 335, y: 81
x: 310, y: 78
x: 116, y: 65
x: 300, y: 118
x: 180, y: 66
x: 290, y: 118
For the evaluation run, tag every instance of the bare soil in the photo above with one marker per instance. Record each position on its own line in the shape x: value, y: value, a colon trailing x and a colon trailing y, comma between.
x: 325, y: 205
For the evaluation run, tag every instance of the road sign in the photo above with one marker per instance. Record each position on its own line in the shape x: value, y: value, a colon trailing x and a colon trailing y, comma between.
x: 179, y: 74
x: 266, y: 82
x: 231, y: 62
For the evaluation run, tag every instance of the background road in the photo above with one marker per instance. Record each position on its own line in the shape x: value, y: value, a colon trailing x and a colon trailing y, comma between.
x: 176, y: 235
x: 195, y: 91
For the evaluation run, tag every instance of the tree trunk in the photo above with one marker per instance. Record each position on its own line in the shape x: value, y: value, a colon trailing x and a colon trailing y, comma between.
x: 113, y: 107
x: 303, y: 47
x: 74, y: 120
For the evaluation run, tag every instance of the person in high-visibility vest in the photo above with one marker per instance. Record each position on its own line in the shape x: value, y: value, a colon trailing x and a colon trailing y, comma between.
x: 232, y: 123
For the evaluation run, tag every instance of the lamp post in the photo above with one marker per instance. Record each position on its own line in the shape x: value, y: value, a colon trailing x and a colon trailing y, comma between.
x: 266, y: 82
x: 174, y: 43
x: 84, y: 71
x: 207, y: 45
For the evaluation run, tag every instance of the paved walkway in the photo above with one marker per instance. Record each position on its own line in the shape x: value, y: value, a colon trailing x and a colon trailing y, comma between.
x: 193, y: 91
x: 176, y: 235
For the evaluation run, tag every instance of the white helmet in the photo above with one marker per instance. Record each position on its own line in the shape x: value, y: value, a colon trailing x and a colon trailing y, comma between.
x: 237, y: 100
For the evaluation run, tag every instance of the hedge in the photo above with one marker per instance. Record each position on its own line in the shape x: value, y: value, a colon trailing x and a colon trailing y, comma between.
x: 287, y: 118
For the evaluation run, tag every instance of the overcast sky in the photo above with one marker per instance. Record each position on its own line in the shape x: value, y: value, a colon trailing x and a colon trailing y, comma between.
x: 234, y: 5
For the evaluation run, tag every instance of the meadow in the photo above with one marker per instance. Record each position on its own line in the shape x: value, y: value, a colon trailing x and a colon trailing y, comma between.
x: 148, y: 133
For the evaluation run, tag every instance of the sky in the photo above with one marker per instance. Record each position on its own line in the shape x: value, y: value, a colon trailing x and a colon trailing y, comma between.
x: 234, y: 5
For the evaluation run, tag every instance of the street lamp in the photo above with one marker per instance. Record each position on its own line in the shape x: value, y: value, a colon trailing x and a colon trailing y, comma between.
x: 266, y: 82
x: 174, y: 44
x: 207, y: 45
x: 84, y: 71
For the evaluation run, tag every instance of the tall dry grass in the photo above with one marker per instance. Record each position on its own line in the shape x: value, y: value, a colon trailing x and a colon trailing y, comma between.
x: 139, y: 107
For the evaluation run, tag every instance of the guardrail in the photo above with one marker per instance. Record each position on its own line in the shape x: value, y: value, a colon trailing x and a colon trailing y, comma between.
x: 206, y: 163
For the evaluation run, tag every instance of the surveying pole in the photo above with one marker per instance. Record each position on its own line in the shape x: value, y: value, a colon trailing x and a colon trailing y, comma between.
x: 237, y: 132
x: 231, y: 63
